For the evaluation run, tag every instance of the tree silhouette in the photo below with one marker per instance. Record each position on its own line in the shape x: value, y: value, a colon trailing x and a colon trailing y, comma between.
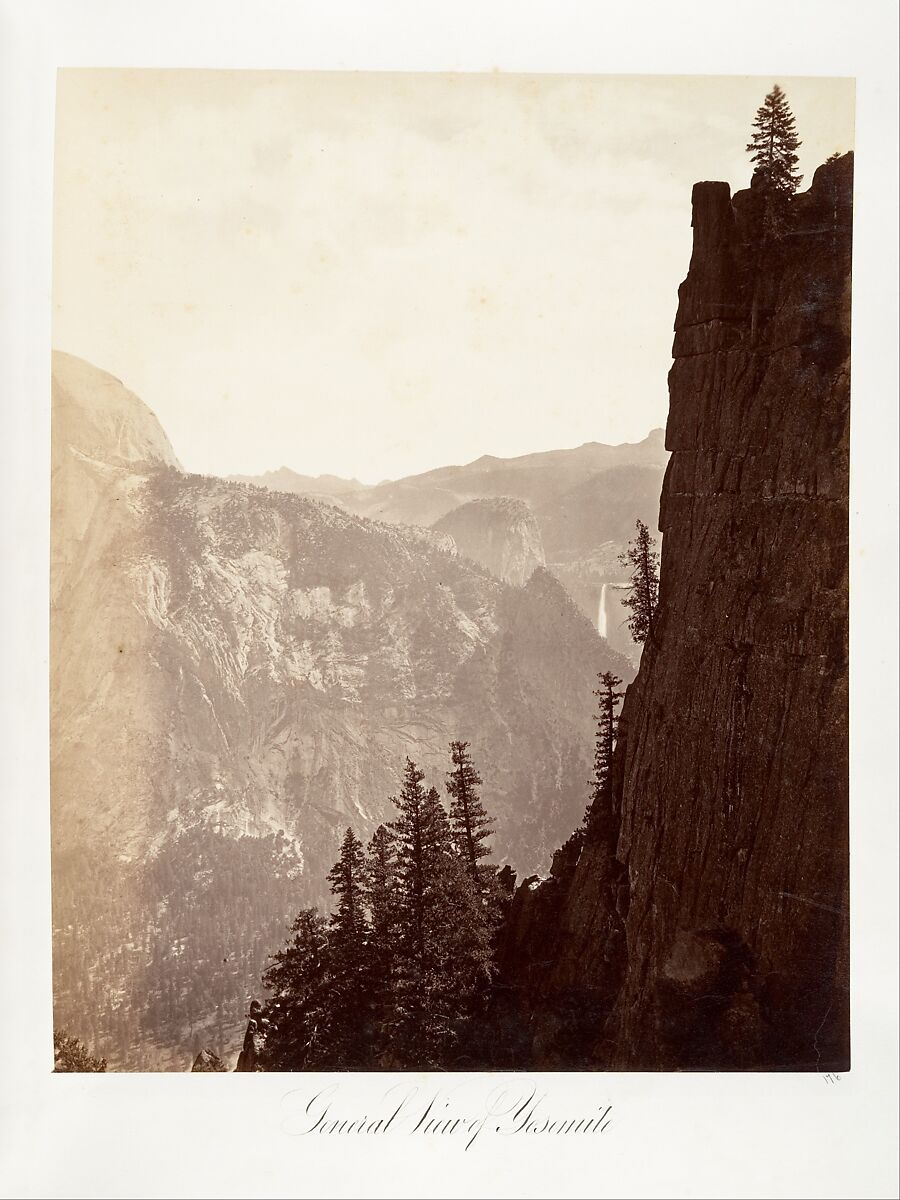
x: 348, y: 921
x: 469, y: 823
x: 298, y: 1008
x: 347, y: 1035
x: 380, y: 892
x: 399, y: 974
x: 773, y: 149
x: 445, y: 928
x: 599, y: 812
x: 773, y: 146
x: 642, y: 558
x: 415, y: 841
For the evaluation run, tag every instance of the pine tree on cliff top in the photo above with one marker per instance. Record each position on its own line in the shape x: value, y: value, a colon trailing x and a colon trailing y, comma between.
x: 773, y: 145
x: 643, y: 560
x: 470, y: 824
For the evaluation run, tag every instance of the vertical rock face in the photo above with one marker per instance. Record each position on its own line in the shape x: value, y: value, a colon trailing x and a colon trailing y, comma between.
x: 710, y: 926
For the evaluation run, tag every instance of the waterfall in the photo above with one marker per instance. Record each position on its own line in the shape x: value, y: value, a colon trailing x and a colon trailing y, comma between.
x: 601, y: 615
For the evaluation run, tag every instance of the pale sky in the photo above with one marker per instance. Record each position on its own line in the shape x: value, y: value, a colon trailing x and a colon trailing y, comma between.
x: 376, y: 274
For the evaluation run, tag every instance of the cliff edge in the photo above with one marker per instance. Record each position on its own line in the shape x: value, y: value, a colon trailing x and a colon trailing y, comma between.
x: 706, y: 927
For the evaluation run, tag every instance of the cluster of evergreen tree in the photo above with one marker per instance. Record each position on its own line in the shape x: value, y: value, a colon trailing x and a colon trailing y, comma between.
x: 397, y: 976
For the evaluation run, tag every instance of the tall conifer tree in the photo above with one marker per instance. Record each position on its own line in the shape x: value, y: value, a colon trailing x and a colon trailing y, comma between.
x: 773, y: 146
x: 399, y: 973
x: 348, y: 921
x: 444, y: 937
x: 300, y: 999
x: 599, y: 812
x: 414, y: 841
x: 642, y: 559
x: 381, y: 896
x: 773, y: 149
x: 349, y: 1031
x: 470, y: 824
x: 380, y: 892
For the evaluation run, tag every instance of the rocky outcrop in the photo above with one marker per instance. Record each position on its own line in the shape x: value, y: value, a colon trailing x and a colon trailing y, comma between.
x: 708, y: 927
x: 499, y: 533
x: 207, y: 1061
x: 101, y: 433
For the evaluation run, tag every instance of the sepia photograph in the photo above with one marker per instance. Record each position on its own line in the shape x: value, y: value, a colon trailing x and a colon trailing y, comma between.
x: 449, y: 489
x: 449, y: 572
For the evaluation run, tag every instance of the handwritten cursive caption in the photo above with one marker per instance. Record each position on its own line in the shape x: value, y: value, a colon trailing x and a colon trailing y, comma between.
x: 408, y: 1110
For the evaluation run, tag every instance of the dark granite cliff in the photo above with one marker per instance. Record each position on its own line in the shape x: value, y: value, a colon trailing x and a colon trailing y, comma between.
x: 707, y: 926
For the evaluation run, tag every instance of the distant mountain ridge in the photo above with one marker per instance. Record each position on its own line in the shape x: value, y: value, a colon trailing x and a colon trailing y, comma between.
x: 584, y: 501
x: 286, y: 480
x: 422, y: 499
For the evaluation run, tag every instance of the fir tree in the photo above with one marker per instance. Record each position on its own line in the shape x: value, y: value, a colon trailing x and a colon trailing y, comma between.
x: 69, y: 1054
x: 773, y: 146
x: 457, y: 964
x: 418, y: 834
x: 443, y: 948
x: 348, y: 921
x: 399, y: 973
x: 414, y: 839
x: 643, y: 560
x: 469, y: 823
x: 599, y: 812
x: 380, y: 893
x: 471, y: 827
x: 299, y: 1006
x: 348, y: 1032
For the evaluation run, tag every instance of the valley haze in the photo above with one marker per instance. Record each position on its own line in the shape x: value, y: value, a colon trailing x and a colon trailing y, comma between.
x: 239, y: 672
x: 526, y: 760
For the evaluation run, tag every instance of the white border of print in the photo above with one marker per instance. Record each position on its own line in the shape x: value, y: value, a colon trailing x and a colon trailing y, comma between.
x: 695, y: 1135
